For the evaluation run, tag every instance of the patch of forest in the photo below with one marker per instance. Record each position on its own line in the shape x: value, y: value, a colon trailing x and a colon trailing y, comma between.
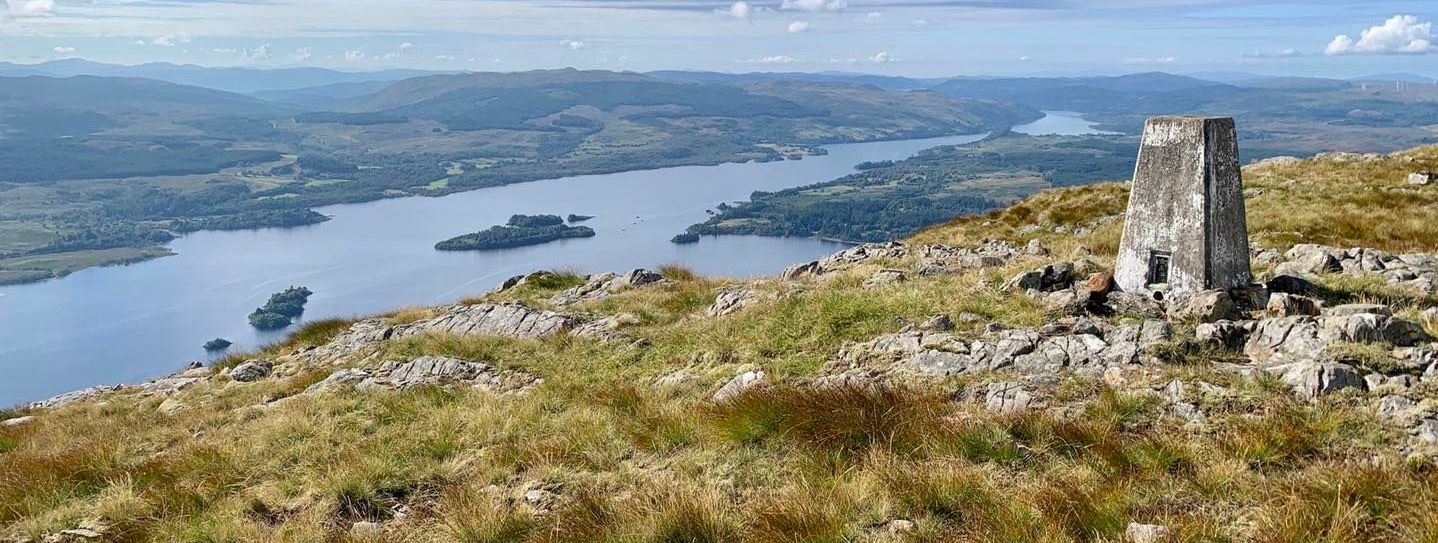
x: 520, y: 231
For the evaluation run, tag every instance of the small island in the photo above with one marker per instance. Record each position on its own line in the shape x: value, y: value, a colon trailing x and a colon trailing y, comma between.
x: 282, y: 309
x: 579, y: 218
x: 217, y: 344
x: 521, y: 231
x: 685, y: 238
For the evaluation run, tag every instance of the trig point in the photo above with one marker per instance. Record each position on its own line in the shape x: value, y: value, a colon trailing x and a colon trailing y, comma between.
x: 1186, y: 229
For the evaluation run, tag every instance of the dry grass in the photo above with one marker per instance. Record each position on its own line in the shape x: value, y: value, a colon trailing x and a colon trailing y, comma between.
x: 621, y: 461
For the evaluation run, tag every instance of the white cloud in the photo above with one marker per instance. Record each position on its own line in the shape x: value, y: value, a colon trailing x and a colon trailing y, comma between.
x: 63, y: 50
x: 573, y: 45
x: 1281, y: 53
x: 171, y: 40
x: 1399, y: 35
x: 775, y: 59
x: 872, y: 17
x: 443, y: 58
x: 406, y: 47
x: 302, y: 54
x: 1150, y: 60
x: 920, y: 23
x: 21, y: 8
x: 882, y: 57
x: 258, y: 54
x: 814, y: 5
x: 225, y: 50
x: 354, y: 55
x: 738, y: 10
x: 1024, y: 58
x: 799, y: 26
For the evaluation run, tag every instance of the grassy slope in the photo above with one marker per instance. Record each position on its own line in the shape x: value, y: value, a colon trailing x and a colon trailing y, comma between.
x: 634, y: 463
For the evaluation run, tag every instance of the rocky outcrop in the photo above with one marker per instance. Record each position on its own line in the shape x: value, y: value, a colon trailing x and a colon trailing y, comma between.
x: 252, y: 370
x: 1007, y: 397
x: 426, y: 371
x: 1415, y: 271
x: 738, y: 385
x: 73, y: 397
x: 1311, y: 379
x: 512, y: 320
x: 730, y: 301
x: 603, y: 285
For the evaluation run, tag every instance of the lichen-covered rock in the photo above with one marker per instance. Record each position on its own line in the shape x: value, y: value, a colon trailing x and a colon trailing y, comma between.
x: 1285, y: 338
x: 1007, y: 397
x: 1206, y: 306
x: 1137, y: 305
x: 513, y: 320
x: 1227, y: 335
x: 799, y: 271
x: 938, y: 323
x: 1147, y: 533
x: 1312, y: 379
x: 339, y: 379
x: 862, y: 253
x: 75, y: 396
x: 167, y: 386
x: 603, y: 285
x: 1057, y: 353
x: 605, y: 329
x: 1129, y: 344
x: 730, y: 301
x: 738, y: 385
x: 434, y: 370
x: 252, y: 371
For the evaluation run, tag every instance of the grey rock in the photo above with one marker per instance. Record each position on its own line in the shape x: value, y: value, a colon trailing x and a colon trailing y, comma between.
x: 1359, y: 309
x: 435, y: 370
x: 73, y: 397
x: 1289, y: 305
x: 168, y: 386
x: 798, y: 271
x: 513, y: 320
x: 1393, y: 406
x: 1427, y: 431
x: 252, y: 371
x: 938, y: 323
x: 886, y: 277
x: 342, y: 378
x: 729, y: 301
x: 1056, y: 353
x: 1312, y: 379
x: 364, y: 530
x: 1285, y: 338
x: 1188, y: 412
x: 1206, y: 306
x: 1024, y: 281
x: 738, y: 385
x: 1289, y: 284
x: 17, y: 421
x: 1002, y: 348
x: 1147, y: 533
x: 1007, y: 397
x: 938, y: 363
x: 1226, y: 335
x: 674, y: 380
x: 1035, y: 248
x: 605, y: 329
x: 1423, y: 178
x: 1128, y: 303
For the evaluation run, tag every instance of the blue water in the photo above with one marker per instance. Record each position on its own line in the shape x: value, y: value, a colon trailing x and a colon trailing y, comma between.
x: 124, y: 324
x: 1060, y: 123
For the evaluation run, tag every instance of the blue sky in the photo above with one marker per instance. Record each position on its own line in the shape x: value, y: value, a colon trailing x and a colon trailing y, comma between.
x: 1342, y: 38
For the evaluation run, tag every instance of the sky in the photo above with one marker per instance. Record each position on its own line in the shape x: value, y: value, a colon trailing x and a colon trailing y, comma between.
x: 922, y: 38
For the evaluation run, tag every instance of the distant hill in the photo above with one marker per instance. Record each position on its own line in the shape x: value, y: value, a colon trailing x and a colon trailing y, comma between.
x: 1154, y: 91
x: 232, y: 79
x: 38, y: 106
x: 881, y: 81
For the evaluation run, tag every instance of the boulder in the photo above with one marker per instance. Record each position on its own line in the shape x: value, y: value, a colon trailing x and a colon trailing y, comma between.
x: 1289, y: 284
x: 1007, y: 397
x: 1394, y: 407
x: 738, y: 385
x: 729, y: 301
x: 798, y: 271
x: 1129, y: 344
x: 1035, y: 248
x: 938, y: 323
x: 1024, y: 281
x: 1373, y: 327
x: 1226, y: 335
x: 17, y: 421
x: 605, y: 329
x: 342, y: 378
x: 1206, y: 306
x: 1099, y: 283
x: 1056, y: 353
x: 1309, y: 259
x: 1422, y: 178
x: 252, y: 370
x: 1285, y: 339
x: 1359, y: 309
x: 1291, y: 305
x: 1137, y: 305
x: 1427, y: 431
x: 1312, y: 379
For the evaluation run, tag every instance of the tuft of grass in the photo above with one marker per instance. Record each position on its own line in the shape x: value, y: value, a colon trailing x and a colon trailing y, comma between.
x: 678, y: 273
x: 1373, y: 357
x: 849, y: 420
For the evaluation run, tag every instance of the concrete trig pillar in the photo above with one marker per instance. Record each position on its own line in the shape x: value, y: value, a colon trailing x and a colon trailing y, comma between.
x: 1186, y: 229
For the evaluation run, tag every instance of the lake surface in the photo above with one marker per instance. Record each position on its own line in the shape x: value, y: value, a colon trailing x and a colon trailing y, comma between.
x: 1060, y: 123
x: 125, y: 324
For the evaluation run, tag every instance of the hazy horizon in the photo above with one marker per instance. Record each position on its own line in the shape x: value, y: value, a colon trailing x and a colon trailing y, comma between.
x: 915, y: 38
